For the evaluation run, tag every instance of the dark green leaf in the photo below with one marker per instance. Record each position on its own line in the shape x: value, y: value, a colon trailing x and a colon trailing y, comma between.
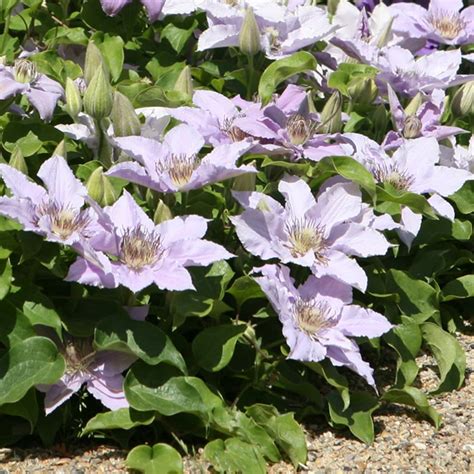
x: 158, y: 459
x: 460, y: 288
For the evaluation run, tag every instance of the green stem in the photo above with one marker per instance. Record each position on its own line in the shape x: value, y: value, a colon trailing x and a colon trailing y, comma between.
x: 250, y: 77
x: 5, y: 33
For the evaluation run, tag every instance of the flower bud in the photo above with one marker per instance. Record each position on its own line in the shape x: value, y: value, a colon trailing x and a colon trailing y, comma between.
x: 362, y: 91
x: 332, y: 6
x: 61, y: 149
x: 249, y: 37
x: 380, y: 121
x: 245, y: 182
x: 73, y: 98
x: 463, y: 101
x: 93, y: 61
x: 17, y: 160
x: 100, y: 188
x: 414, y: 104
x: 184, y: 83
x: 331, y: 115
x: 412, y: 127
x: 162, y: 213
x: 124, y: 118
x: 25, y: 71
x: 98, y: 98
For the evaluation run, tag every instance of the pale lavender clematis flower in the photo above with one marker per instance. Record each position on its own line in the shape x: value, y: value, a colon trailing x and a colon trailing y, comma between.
x: 319, y: 234
x: 414, y: 167
x: 425, y: 122
x: 318, y: 319
x: 444, y: 21
x: 23, y: 78
x: 175, y: 165
x: 101, y: 371
x: 55, y: 212
x: 221, y: 120
x: 153, y: 7
x: 459, y: 156
x: 143, y: 253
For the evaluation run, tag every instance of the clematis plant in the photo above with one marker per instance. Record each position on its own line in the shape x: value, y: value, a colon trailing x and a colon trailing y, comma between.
x: 23, y: 78
x: 101, y: 371
x: 134, y: 252
x: 56, y: 211
x: 319, y: 320
x: 425, y: 122
x: 175, y: 165
x: 319, y: 234
x: 153, y: 7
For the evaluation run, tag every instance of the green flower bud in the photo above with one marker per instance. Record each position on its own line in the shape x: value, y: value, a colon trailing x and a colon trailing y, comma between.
x: 124, y: 118
x: 98, y: 98
x: 162, y: 213
x: 362, y: 90
x: 25, y: 71
x: 17, y: 160
x: 331, y: 115
x: 380, y: 121
x: 463, y: 101
x: 61, y: 149
x: 332, y: 6
x: 184, y: 83
x: 100, y: 188
x: 73, y: 98
x: 93, y: 61
x: 249, y: 37
x: 412, y: 127
x: 414, y: 104
x: 245, y: 182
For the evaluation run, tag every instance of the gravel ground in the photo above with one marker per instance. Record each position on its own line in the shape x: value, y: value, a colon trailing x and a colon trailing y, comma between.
x: 405, y: 443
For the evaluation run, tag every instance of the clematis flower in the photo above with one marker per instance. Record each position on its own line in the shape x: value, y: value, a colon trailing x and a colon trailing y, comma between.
x: 319, y: 234
x: 443, y: 21
x: 414, y: 167
x: 284, y: 28
x: 153, y: 7
x: 137, y: 253
x: 55, y: 212
x: 221, y: 120
x: 318, y: 319
x: 23, y: 78
x: 175, y: 165
x: 101, y: 371
x: 425, y: 122
x: 459, y: 156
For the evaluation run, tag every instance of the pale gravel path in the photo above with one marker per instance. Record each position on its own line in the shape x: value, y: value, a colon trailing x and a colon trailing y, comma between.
x: 405, y: 443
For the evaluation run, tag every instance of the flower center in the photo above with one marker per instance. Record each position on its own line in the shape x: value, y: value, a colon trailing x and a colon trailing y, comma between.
x: 25, y: 71
x: 140, y: 248
x: 312, y: 317
x: 305, y: 235
x: 412, y: 127
x: 63, y: 220
x: 299, y: 129
x: 448, y: 24
x: 78, y: 354
x: 179, y: 168
x: 391, y: 174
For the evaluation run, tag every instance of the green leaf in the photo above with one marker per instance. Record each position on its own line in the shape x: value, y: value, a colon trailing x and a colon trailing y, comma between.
x: 464, y: 198
x: 326, y: 370
x: 158, y: 459
x: 287, y: 433
x: 415, y: 202
x: 31, y: 362
x: 245, y: 288
x: 234, y: 456
x: 28, y: 145
x: 145, y: 340
x: 460, y: 288
x: 406, y: 339
x: 178, y: 37
x: 449, y: 356
x: 14, y: 327
x: 357, y: 416
x: 111, y: 47
x: 349, y: 169
x: 346, y: 72
x: 213, y: 347
x: 6, y: 276
x: 282, y: 69
x: 416, y: 298
x: 121, y: 419
x: 26, y: 408
x: 151, y: 388
x: 415, y: 398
